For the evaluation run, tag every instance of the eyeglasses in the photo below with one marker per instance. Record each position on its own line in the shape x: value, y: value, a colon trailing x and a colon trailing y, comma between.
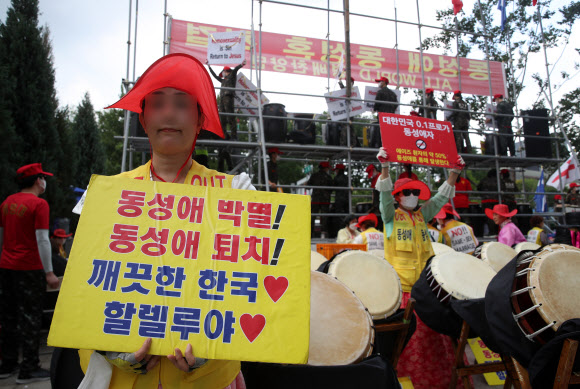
x: 408, y: 192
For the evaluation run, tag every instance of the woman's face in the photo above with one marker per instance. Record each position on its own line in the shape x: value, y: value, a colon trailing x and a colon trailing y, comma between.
x: 171, y: 120
x: 498, y: 219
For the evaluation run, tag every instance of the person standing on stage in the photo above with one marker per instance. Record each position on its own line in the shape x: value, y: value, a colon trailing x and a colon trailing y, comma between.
x: 508, y: 189
x: 460, y: 118
x: 509, y: 233
x: 25, y: 270
x: 461, y: 200
x: 407, y: 248
x: 573, y: 197
x: 385, y: 94
x: 340, y: 195
x: 504, y: 114
x: 349, y: 232
x: 175, y: 100
x: 537, y: 234
x: 431, y: 111
x: 455, y: 234
x: 272, y: 167
x: 228, y: 78
x: 321, y: 197
x: 369, y: 235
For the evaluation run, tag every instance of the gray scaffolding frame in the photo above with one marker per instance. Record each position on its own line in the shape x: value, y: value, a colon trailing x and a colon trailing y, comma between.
x: 255, y: 150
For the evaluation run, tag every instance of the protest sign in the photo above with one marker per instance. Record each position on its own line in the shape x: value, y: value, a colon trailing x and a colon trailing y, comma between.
x: 225, y: 48
x: 448, y: 104
x: 490, y: 110
x: 485, y: 355
x: 246, y: 97
x: 225, y: 270
x: 417, y: 140
x: 337, y: 106
x: 371, y: 94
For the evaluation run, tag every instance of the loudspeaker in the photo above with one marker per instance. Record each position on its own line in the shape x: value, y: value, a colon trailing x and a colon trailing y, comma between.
x: 274, y: 129
x: 333, y: 134
x: 537, y: 147
x: 135, y: 127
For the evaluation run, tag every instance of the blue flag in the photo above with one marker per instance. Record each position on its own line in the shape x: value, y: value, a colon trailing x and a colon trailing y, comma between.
x: 539, y: 197
x: 502, y: 7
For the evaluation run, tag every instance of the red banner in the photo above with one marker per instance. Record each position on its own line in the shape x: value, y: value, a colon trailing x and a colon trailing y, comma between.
x: 418, y: 141
x: 308, y: 56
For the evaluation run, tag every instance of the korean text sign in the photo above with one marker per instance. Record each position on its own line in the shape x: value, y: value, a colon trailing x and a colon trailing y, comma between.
x: 311, y: 57
x: 223, y: 269
x: 417, y: 140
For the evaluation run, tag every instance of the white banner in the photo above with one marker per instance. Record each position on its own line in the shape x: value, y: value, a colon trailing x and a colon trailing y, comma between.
x: 247, y: 100
x: 371, y: 94
x: 567, y: 173
x: 446, y: 113
x: 490, y: 110
x: 225, y: 48
x: 337, y: 107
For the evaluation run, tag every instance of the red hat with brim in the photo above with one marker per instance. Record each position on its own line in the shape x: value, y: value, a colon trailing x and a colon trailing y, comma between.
x: 501, y: 210
x: 31, y: 170
x: 274, y: 150
x: 574, y: 185
x: 457, y: 92
x: 324, y: 164
x: 370, y: 169
x: 497, y: 96
x: 385, y: 79
x: 429, y: 91
x: 447, y: 209
x: 225, y: 69
x: 339, y: 166
x: 408, y: 183
x: 182, y: 72
x: 558, y: 197
x: 60, y: 233
x: 371, y: 216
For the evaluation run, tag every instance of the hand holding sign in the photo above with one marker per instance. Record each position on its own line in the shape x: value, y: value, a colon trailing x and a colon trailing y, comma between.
x: 383, y: 157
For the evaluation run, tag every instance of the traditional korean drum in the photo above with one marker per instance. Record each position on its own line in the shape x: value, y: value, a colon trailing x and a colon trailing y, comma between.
x: 341, y: 329
x: 545, y: 290
x: 496, y: 254
x: 316, y: 259
x: 440, y: 248
x: 378, y: 253
x: 374, y: 281
x: 526, y: 246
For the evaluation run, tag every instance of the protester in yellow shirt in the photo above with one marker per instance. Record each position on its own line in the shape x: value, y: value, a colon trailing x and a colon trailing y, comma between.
x: 349, y: 232
x: 455, y: 234
x: 370, y: 235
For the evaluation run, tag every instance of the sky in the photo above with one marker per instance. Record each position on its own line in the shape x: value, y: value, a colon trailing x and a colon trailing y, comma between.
x: 90, y: 40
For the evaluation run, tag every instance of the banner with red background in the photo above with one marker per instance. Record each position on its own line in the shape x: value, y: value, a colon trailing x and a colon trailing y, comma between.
x: 308, y: 56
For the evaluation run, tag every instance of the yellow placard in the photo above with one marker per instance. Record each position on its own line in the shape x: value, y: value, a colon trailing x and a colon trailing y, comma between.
x: 484, y: 355
x: 226, y: 270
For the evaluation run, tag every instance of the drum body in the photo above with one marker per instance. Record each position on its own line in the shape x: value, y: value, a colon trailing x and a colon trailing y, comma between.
x: 496, y: 254
x: 341, y: 330
x: 378, y: 253
x: 526, y: 246
x: 316, y: 259
x: 545, y: 290
x: 440, y: 248
x: 372, y: 279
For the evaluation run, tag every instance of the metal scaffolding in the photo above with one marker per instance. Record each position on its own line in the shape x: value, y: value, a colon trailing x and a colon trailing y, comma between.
x: 251, y: 153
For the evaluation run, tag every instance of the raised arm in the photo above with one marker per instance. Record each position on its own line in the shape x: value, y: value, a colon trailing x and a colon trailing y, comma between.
x: 220, y: 80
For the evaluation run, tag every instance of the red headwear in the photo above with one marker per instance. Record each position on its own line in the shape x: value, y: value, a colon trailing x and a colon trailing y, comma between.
x: 31, y: 170
x: 572, y: 185
x: 182, y: 72
x: 339, y: 166
x: 60, y: 233
x: 500, y: 209
x: 456, y: 92
x: 369, y: 170
x: 371, y: 216
x: 385, y: 79
x: 324, y: 164
x: 429, y: 91
x: 225, y: 69
x: 414, y: 113
x: 497, y: 96
x: 446, y: 209
x: 408, y: 183
x: 274, y: 150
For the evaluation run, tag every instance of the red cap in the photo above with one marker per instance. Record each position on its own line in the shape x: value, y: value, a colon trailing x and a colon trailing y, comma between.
x: 31, y: 170
x: 371, y: 216
x: 504, y: 171
x: 60, y: 233
x: 429, y: 91
x: 500, y: 209
x: 446, y: 209
x: 574, y: 185
x: 408, y: 183
x: 385, y: 79
x: 182, y: 72
x: 558, y: 197
x: 456, y: 92
x: 339, y: 166
x: 370, y: 169
x: 324, y: 164
x: 497, y: 96
x: 225, y: 69
x: 274, y: 150
x: 413, y: 113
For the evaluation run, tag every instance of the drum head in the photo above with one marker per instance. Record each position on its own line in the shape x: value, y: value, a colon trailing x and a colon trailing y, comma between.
x: 526, y: 246
x: 341, y: 330
x: 316, y: 259
x: 496, y: 254
x: 556, y: 287
x: 462, y: 275
x: 378, y: 253
x: 440, y: 248
x: 372, y: 279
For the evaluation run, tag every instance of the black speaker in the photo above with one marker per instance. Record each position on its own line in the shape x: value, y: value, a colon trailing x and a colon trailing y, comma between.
x: 333, y: 134
x: 135, y: 127
x: 537, y: 147
x: 274, y: 129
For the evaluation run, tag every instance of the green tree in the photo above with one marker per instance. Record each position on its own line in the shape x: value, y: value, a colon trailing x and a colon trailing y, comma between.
x: 111, y: 125
x: 8, y: 146
x: 90, y: 154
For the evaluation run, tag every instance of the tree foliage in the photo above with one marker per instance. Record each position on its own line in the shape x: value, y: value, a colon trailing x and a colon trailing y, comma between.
x: 89, y: 148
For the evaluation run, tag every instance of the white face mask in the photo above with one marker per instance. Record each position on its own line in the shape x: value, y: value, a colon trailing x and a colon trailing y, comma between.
x: 352, y: 226
x: 409, y: 202
x: 43, y: 185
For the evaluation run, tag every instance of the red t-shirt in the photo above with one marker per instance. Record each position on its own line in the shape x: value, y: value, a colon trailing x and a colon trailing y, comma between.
x: 461, y: 200
x: 22, y: 215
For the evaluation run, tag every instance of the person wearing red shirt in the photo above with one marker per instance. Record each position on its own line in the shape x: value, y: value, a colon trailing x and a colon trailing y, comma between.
x: 25, y: 269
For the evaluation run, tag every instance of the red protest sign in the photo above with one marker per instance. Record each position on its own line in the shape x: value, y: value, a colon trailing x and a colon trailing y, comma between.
x: 417, y: 140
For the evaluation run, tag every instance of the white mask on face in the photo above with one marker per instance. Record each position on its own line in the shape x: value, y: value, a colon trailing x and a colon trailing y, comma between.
x: 409, y: 202
x: 352, y: 226
x: 43, y: 185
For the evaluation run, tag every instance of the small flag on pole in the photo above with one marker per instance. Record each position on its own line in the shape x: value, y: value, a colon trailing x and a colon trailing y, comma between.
x: 540, y: 197
x: 567, y: 173
x: 502, y: 7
